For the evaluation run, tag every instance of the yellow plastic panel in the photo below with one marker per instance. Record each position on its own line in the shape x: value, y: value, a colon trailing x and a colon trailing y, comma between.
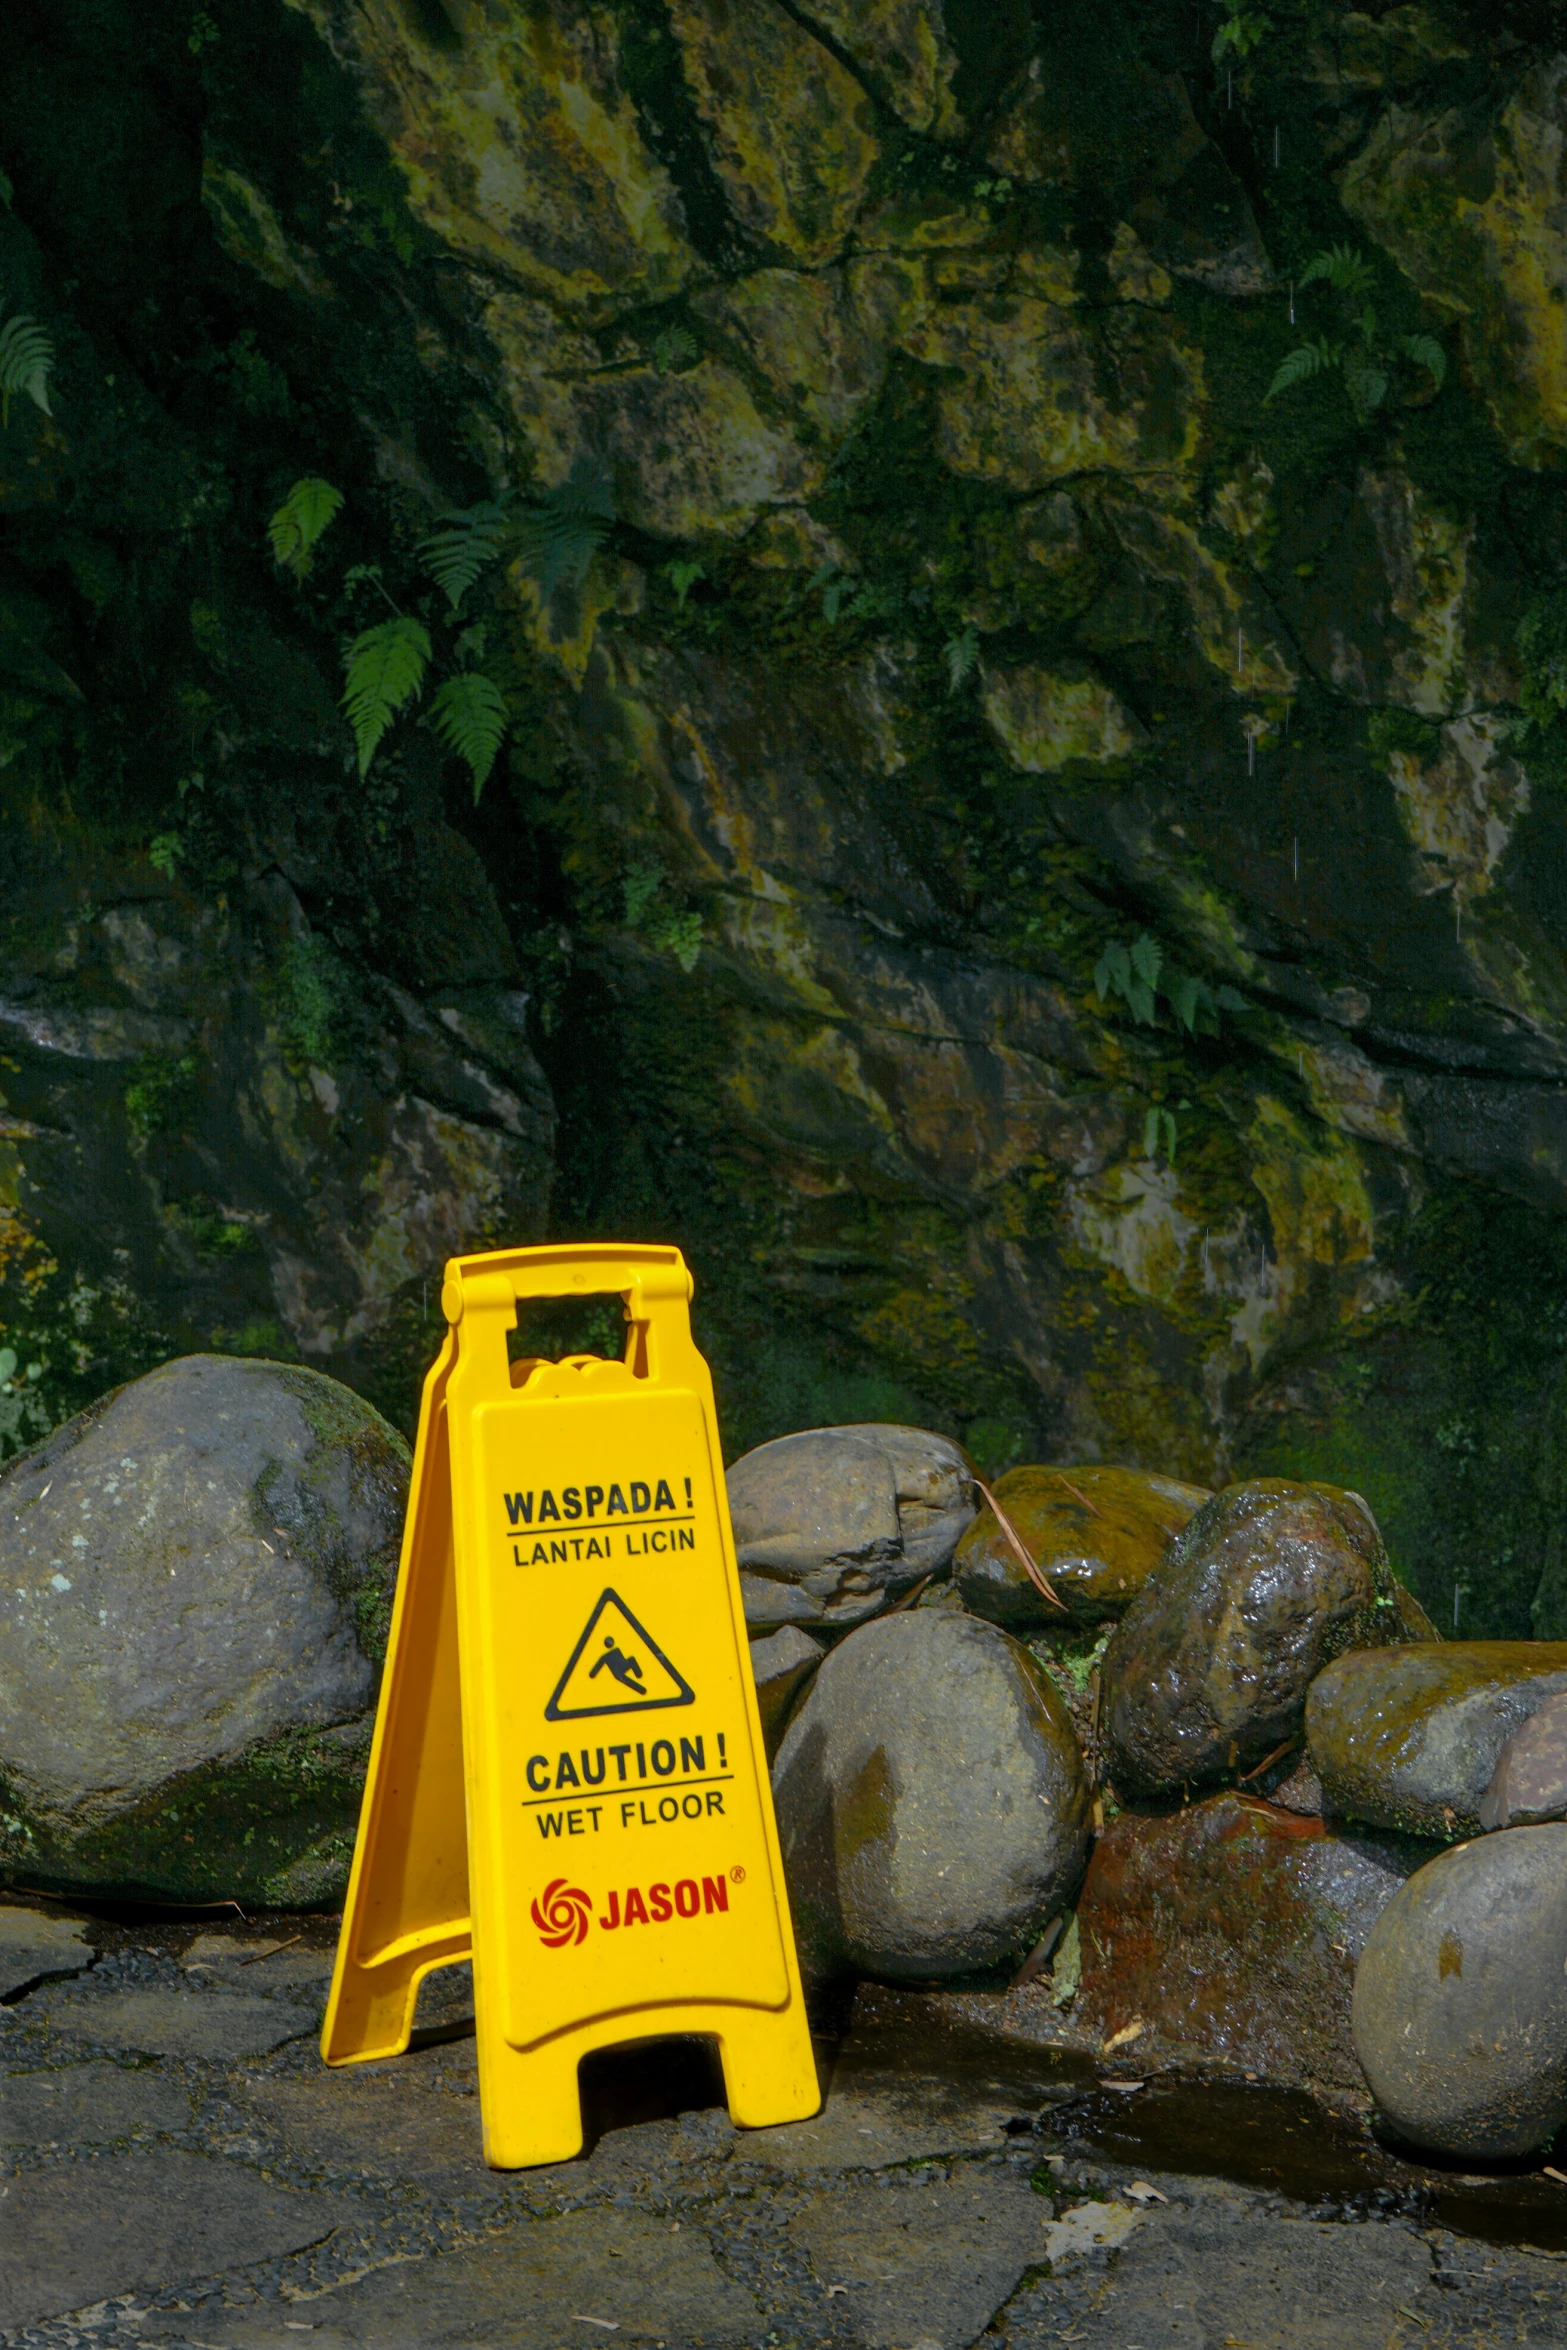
x: 407, y: 1906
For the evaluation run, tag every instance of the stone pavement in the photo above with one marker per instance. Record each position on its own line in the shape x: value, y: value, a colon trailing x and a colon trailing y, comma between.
x: 177, y: 2169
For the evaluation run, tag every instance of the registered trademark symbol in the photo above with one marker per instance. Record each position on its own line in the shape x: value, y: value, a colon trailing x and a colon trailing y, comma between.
x: 737, y: 1876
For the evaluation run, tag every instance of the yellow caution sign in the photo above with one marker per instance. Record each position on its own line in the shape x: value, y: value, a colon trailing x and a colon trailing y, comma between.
x: 568, y: 1781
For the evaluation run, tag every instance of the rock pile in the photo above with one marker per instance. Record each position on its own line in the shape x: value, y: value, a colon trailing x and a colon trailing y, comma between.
x: 1206, y: 1798
x: 1265, y: 1728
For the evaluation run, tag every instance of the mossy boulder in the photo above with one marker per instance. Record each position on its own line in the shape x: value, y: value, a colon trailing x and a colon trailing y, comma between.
x: 197, y: 1576
x: 1208, y: 1672
x: 1096, y: 1534
x: 1410, y: 1737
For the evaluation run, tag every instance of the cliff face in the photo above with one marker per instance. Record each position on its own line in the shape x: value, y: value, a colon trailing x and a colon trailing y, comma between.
x: 1021, y: 851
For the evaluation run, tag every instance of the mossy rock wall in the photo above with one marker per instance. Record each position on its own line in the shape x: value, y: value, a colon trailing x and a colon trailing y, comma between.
x: 971, y: 630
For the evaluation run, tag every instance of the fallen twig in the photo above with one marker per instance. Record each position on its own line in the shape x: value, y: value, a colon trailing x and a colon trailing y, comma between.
x: 1267, y: 1761
x: 1041, y: 1953
x: 272, y: 1953
x: 1039, y: 1581
x: 909, y: 1597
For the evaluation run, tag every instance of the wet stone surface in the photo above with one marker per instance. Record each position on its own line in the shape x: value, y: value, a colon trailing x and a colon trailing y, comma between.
x: 963, y: 2181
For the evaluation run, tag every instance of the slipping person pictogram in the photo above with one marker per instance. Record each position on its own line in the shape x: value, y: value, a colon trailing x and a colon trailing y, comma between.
x: 616, y: 1667
x: 625, y: 1668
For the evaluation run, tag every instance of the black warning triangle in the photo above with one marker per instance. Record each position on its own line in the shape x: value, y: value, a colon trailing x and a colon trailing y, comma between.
x: 617, y: 1667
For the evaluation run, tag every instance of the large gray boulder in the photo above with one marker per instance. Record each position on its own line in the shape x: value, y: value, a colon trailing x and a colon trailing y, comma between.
x: 1208, y: 1671
x: 931, y: 1801
x: 195, y: 1580
x: 1410, y: 1737
x: 1460, y: 2010
x: 833, y: 1523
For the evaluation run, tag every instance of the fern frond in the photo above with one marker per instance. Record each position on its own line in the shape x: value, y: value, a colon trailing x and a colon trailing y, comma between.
x: 1310, y: 359
x: 679, y: 935
x: 386, y: 666
x: 466, y: 543
x: 1113, y: 972
x: 961, y: 654
x: 674, y: 349
x: 1345, y: 270
x: 469, y: 715
x: 1428, y: 353
x: 641, y: 885
x: 1148, y: 959
x: 563, y: 532
x: 299, y: 522
x: 1366, y: 385
x: 26, y: 364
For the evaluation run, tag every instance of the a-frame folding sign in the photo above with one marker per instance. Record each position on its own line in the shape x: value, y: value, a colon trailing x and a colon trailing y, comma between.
x: 568, y: 1723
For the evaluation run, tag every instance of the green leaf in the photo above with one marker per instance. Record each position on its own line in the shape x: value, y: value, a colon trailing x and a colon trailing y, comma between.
x: 1113, y: 973
x: 466, y: 543
x: 1184, y: 994
x: 679, y: 935
x: 1366, y: 385
x: 1148, y: 959
x: 1310, y: 359
x: 385, y: 666
x: 961, y: 654
x: 1151, y: 1135
x: 641, y: 886
x: 1228, y: 1001
x: 674, y: 349
x: 564, y: 530
x: 300, y: 521
x: 683, y: 577
x: 469, y: 715
x: 1428, y: 353
x: 1141, y: 998
x: 1345, y: 270
x: 26, y: 364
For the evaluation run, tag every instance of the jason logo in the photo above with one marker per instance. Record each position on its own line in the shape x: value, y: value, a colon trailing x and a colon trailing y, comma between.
x: 564, y: 1912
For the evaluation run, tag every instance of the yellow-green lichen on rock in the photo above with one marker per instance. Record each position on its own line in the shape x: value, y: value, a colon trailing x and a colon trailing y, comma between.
x: 902, y: 48
x: 791, y: 132
x: 687, y: 453
x: 1040, y: 393
x: 808, y: 336
x: 519, y: 145
x: 1047, y: 721
x: 1469, y: 204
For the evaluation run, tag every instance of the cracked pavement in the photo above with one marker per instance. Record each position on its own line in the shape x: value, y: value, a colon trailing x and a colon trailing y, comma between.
x: 180, y: 2170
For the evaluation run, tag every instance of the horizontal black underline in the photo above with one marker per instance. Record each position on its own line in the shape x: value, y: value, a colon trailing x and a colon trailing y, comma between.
x: 595, y: 1526
x: 573, y: 1802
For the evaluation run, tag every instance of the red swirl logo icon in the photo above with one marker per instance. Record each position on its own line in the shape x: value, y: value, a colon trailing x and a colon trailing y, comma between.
x: 562, y: 1914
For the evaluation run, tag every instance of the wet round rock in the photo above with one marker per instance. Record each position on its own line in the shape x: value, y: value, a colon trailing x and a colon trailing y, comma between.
x: 1207, y: 1674
x: 1460, y: 2008
x: 1097, y: 1534
x: 1529, y: 1783
x: 1410, y: 1737
x: 932, y: 1802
